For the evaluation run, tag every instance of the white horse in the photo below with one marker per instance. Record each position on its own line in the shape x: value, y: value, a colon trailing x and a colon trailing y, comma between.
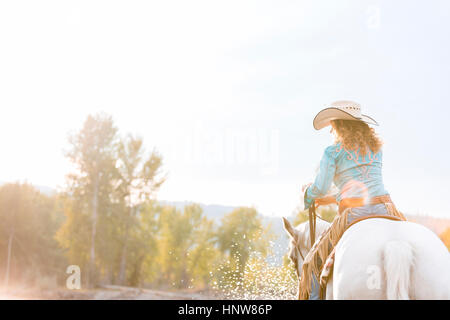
x: 380, y: 259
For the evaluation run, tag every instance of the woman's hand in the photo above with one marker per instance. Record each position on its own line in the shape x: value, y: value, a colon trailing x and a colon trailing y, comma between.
x: 306, y: 186
x: 306, y: 203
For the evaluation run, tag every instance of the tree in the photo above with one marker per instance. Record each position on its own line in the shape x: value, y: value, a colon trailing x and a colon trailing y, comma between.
x: 203, y: 255
x: 143, y: 248
x: 186, y: 243
x: 139, y: 177
x: 93, y: 153
x: 242, y: 233
x: 29, y: 220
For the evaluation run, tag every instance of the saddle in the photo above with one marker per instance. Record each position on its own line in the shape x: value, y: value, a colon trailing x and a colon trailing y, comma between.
x: 329, y: 239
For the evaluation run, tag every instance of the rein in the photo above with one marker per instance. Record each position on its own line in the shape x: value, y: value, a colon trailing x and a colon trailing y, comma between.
x: 301, y: 254
x: 312, y: 216
x: 312, y: 227
x: 312, y: 223
x: 312, y: 232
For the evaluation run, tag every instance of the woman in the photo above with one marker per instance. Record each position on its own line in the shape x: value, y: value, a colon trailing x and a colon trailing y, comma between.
x: 354, y: 164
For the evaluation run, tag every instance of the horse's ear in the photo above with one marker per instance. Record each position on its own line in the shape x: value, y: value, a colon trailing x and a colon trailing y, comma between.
x: 289, y: 229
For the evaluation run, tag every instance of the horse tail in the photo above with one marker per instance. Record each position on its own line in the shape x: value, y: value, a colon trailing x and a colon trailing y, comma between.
x: 398, y: 261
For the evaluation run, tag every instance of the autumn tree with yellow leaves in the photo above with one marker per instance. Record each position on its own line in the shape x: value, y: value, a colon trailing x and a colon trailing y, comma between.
x: 241, y: 234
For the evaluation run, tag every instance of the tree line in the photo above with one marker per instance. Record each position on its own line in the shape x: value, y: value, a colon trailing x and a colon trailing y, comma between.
x: 108, y: 222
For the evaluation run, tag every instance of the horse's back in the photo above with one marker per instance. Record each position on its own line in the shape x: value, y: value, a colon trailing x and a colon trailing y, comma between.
x: 361, y: 258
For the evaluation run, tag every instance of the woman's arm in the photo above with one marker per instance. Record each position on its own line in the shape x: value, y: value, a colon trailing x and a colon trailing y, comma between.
x: 324, y: 178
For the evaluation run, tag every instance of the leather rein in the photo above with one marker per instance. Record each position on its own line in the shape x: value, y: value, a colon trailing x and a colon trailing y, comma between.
x: 312, y: 216
x: 312, y: 224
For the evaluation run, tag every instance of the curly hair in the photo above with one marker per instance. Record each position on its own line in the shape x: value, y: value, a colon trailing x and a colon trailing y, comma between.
x: 356, y: 134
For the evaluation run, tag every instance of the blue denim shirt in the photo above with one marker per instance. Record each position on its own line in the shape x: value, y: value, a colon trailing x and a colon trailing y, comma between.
x: 353, y: 174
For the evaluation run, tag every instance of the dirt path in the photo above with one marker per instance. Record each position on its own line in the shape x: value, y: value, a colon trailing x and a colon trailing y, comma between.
x: 126, y: 293
x: 103, y: 293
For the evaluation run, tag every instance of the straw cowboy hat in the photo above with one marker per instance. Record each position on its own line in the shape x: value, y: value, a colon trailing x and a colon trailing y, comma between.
x: 343, y: 110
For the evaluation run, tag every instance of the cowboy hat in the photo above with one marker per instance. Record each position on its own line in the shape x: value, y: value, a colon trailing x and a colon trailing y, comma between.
x: 342, y: 110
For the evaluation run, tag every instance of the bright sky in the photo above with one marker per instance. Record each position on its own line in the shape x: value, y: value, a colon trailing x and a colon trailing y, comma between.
x: 227, y: 90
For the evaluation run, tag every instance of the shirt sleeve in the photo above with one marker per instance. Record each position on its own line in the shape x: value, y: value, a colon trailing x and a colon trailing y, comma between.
x: 324, y: 178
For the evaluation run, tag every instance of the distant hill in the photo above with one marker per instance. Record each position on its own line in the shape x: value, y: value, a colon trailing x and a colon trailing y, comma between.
x: 211, y: 211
